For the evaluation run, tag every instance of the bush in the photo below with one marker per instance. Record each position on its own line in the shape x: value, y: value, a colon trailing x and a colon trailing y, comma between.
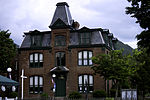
x: 146, y: 98
x: 109, y: 99
x: 112, y: 92
x: 125, y: 85
x: 13, y: 94
x: 44, y: 95
x: 99, y: 93
x: 147, y: 95
x: 75, y: 95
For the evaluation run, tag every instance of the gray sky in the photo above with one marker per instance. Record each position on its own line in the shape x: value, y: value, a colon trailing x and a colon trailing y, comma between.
x: 25, y: 15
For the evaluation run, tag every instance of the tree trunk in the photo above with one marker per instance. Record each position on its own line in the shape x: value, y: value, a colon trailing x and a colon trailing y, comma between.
x: 116, y: 95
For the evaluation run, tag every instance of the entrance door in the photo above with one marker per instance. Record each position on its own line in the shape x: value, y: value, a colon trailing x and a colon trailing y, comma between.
x: 60, y: 87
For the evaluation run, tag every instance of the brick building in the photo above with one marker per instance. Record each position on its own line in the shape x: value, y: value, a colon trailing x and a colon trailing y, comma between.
x: 62, y: 56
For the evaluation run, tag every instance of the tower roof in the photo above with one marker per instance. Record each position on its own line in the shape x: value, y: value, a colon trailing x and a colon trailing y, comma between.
x: 62, y: 12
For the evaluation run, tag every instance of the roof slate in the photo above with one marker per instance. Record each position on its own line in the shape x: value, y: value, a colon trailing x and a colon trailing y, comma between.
x: 62, y: 12
x: 45, y: 39
x: 26, y: 42
x: 96, y: 38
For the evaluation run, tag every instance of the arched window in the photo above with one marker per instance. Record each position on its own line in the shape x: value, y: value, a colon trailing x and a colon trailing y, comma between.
x: 36, y: 60
x: 85, y: 83
x: 84, y: 58
x: 36, y: 84
x: 60, y: 41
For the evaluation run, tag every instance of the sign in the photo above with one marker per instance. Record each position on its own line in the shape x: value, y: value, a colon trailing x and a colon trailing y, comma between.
x: 129, y: 94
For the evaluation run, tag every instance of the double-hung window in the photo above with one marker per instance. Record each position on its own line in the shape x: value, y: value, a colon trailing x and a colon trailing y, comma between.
x: 85, y: 83
x: 36, y: 84
x: 36, y: 60
x: 60, y: 59
x: 84, y: 58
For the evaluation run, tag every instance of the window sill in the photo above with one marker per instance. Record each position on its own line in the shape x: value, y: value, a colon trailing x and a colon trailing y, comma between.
x: 85, y: 65
x: 35, y: 67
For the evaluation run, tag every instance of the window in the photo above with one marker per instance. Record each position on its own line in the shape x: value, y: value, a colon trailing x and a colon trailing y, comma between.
x: 36, y: 40
x: 36, y: 60
x: 84, y: 58
x: 85, y: 83
x: 60, y: 41
x: 36, y: 84
x: 60, y: 59
x: 85, y: 38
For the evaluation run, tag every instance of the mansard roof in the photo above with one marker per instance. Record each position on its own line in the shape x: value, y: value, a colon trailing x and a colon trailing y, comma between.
x: 46, y: 38
x: 62, y: 19
x: 98, y: 37
x: 62, y: 12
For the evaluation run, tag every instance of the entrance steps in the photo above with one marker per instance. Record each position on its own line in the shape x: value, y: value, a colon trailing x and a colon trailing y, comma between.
x: 59, y: 98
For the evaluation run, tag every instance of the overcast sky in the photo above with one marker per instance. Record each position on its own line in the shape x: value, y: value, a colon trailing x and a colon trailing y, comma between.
x: 21, y: 16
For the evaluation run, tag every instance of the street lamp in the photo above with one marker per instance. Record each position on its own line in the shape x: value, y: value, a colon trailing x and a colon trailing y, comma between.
x: 53, y: 81
x: 9, y: 76
x: 9, y: 72
x: 9, y: 69
x: 3, y: 88
x: 54, y: 75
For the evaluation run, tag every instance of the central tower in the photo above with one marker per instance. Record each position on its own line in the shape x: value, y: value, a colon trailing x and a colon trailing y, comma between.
x: 60, y: 32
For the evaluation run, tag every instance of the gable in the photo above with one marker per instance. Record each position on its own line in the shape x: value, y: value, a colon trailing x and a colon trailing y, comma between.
x: 59, y: 24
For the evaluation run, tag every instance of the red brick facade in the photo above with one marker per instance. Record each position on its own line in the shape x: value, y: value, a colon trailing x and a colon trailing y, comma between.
x: 71, y: 50
x: 49, y: 63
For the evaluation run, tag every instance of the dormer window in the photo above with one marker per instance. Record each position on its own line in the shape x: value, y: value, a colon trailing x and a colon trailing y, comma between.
x: 85, y: 38
x: 36, y: 40
x: 60, y: 41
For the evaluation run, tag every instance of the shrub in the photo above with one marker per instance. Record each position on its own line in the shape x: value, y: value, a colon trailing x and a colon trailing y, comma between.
x: 147, y: 95
x: 109, y: 99
x: 125, y: 85
x: 112, y: 92
x: 13, y: 94
x: 75, y: 95
x: 99, y: 93
x: 44, y: 95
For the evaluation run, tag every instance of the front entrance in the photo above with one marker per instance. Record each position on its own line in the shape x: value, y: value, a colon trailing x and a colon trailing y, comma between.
x: 59, y: 75
x: 60, y: 87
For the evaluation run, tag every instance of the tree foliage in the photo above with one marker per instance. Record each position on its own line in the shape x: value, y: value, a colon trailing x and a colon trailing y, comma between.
x: 114, y: 66
x: 141, y: 79
x: 7, y: 50
x: 140, y: 9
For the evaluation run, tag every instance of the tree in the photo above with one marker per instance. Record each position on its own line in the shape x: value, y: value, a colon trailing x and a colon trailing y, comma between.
x: 141, y: 78
x: 114, y: 66
x: 140, y: 9
x: 7, y: 50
